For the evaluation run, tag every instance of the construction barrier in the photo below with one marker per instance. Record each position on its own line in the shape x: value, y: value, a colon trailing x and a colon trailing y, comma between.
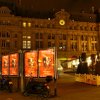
x: 88, y: 78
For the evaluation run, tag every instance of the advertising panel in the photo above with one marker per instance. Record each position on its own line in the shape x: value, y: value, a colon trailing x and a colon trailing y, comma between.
x: 5, y: 65
x: 31, y: 64
x: 46, y: 62
x: 14, y: 66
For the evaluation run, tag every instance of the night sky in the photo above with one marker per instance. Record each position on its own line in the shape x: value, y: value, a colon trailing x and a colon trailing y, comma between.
x: 31, y: 7
x: 69, y: 5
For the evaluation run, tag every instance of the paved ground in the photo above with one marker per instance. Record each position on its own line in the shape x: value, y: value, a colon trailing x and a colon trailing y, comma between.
x: 67, y: 89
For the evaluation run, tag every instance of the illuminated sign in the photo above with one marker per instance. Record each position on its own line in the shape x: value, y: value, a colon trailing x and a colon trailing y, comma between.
x: 14, y: 68
x: 31, y: 64
x: 5, y: 65
x: 46, y: 62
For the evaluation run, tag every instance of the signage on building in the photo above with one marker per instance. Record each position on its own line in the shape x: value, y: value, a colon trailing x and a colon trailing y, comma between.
x: 14, y: 65
x: 46, y: 62
x: 31, y: 64
x: 5, y: 65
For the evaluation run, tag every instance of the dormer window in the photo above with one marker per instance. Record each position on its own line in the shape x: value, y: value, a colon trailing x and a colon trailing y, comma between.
x: 4, y: 10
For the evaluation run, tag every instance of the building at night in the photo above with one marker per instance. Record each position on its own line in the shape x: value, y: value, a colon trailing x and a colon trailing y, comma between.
x: 71, y: 34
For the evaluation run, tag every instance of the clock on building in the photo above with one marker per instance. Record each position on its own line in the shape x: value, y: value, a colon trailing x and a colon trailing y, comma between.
x: 62, y: 22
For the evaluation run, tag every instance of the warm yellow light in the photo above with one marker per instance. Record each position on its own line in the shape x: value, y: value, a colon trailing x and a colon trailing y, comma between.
x: 48, y: 18
x: 62, y: 22
x: 89, y: 61
x: 29, y: 24
x: 29, y: 37
x: 24, y: 24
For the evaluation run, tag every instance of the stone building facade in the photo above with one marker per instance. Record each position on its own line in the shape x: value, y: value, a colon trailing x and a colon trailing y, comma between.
x: 70, y: 34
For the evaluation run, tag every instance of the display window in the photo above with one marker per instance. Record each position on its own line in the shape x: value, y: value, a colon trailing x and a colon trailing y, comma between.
x: 46, y: 62
x: 5, y: 65
x: 14, y: 65
x: 31, y: 64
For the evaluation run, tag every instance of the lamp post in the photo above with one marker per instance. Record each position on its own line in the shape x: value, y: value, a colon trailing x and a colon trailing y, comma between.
x: 21, y: 70
x: 55, y: 77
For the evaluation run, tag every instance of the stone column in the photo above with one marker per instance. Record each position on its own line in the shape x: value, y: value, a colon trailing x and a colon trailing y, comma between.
x: 68, y: 42
x: 98, y: 36
x: 89, y: 43
x: 79, y: 43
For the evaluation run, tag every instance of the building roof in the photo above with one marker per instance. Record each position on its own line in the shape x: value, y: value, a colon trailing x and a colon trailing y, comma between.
x: 84, y: 17
x: 24, y: 12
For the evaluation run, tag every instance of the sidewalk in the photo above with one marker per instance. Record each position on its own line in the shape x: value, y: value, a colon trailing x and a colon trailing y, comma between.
x: 67, y: 89
x: 71, y: 90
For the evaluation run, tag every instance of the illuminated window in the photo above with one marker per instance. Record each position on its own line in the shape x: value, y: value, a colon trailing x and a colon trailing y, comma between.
x: 60, y: 45
x: 84, y: 46
x: 24, y: 24
x: 28, y: 44
x: 24, y: 44
x: 48, y: 18
x: 24, y: 36
x: 28, y: 37
x: 29, y: 24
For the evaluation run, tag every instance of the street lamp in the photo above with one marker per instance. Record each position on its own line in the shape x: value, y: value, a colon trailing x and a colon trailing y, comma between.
x: 21, y: 70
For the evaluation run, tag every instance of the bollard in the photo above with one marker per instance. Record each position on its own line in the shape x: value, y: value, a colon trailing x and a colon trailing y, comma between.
x: 55, y: 87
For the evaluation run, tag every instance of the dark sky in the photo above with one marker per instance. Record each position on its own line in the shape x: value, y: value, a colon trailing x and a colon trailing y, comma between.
x: 45, y: 5
x: 69, y: 5
x: 28, y: 7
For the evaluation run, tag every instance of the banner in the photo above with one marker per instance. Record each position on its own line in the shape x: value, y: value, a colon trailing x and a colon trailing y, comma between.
x: 14, y: 66
x: 46, y: 62
x: 5, y: 65
x: 31, y: 64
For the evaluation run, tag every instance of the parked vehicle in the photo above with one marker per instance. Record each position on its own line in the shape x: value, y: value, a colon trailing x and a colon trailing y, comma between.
x: 35, y: 87
x: 6, y: 84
